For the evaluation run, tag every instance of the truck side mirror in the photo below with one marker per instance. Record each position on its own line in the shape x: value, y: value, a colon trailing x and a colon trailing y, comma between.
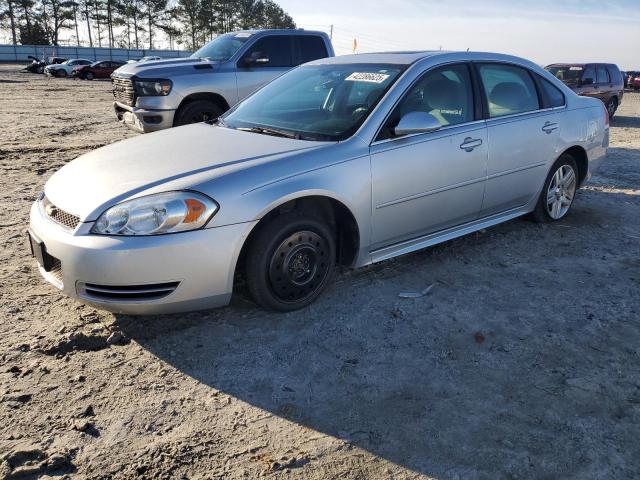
x: 256, y: 58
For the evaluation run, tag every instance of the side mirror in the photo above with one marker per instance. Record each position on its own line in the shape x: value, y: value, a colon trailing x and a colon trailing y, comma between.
x: 416, y: 122
x: 256, y: 58
x: 587, y: 81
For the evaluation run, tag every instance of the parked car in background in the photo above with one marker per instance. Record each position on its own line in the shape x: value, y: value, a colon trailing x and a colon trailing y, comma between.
x: 65, y: 69
x: 144, y: 59
x: 348, y: 160
x: 38, y: 65
x: 598, y: 80
x: 633, y: 80
x: 161, y: 94
x: 100, y: 69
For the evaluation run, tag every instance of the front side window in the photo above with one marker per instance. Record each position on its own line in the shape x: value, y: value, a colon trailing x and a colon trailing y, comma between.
x: 601, y: 74
x: 272, y: 51
x: 444, y: 93
x: 222, y: 48
x: 315, y: 102
x: 589, y: 75
x: 508, y: 89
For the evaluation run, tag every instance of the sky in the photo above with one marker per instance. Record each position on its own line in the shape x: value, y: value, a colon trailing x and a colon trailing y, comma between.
x: 544, y: 31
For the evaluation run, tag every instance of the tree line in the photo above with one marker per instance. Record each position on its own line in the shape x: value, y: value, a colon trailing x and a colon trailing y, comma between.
x: 135, y: 23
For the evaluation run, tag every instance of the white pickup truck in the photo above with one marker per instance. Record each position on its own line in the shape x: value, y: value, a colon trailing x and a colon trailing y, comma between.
x: 155, y: 95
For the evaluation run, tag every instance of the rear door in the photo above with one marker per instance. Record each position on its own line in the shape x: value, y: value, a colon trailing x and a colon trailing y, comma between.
x: 522, y: 135
x: 588, y: 84
x: 275, y: 56
x: 603, y: 83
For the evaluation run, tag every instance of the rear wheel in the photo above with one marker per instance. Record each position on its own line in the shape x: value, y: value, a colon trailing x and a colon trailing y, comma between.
x: 198, y: 111
x: 612, y: 106
x: 290, y: 261
x: 559, y: 191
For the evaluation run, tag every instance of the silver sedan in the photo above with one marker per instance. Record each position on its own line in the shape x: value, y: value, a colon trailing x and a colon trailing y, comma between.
x: 342, y: 161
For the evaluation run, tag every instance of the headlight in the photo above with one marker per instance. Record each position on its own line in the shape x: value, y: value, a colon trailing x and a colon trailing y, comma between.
x: 157, y: 214
x: 153, y: 88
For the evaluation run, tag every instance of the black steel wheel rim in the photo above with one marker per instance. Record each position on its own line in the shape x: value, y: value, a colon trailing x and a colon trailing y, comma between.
x: 299, y: 266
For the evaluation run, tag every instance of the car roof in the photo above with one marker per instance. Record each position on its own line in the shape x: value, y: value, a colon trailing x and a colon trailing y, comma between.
x: 288, y: 31
x: 410, y: 57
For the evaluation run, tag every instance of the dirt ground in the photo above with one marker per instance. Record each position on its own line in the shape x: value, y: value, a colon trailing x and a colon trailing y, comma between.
x: 522, y: 362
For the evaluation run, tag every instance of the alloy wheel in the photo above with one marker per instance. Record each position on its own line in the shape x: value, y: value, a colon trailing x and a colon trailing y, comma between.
x: 561, y: 191
x: 611, y: 107
x: 298, y: 266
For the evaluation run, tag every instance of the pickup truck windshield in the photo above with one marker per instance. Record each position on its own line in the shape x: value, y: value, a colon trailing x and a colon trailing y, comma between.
x: 315, y: 102
x: 222, y: 48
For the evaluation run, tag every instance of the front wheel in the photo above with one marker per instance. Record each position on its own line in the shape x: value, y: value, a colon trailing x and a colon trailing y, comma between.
x: 290, y: 261
x: 559, y: 191
x: 197, y: 111
x: 61, y: 73
x: 88, y: 76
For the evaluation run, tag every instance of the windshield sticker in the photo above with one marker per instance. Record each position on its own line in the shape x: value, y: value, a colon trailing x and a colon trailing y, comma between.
x: 242, y: 35
x: 575, y: 68
x: 367, y: 77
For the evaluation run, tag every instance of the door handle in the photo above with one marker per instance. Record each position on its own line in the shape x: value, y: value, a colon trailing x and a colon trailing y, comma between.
x: 549, y: 127
x: 470, y: 143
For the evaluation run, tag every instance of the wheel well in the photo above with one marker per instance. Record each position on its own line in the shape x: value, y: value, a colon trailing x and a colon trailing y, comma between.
x: 580, y: 156
x: 212, y: 97
x: 335, y: 213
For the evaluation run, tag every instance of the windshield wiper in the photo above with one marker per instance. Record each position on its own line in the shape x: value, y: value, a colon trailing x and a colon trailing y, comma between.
x: 271, y: 131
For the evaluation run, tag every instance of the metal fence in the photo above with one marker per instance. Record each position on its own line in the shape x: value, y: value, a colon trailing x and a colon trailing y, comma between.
x: 20, y: 53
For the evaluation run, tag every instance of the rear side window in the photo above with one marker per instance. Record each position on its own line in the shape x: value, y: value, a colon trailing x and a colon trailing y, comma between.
x: 508, y: 89
x: 551, y: 95
x: 614, y: 73
x: 277, y: 48
x: 602, y: 75
x: 310, y: 48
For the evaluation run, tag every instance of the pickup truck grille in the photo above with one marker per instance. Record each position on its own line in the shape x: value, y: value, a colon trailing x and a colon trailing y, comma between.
x: 123, y: 91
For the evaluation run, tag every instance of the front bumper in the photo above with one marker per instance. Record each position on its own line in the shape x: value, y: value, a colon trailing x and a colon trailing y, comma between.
x: 199, y: 264
x: 143, y: 120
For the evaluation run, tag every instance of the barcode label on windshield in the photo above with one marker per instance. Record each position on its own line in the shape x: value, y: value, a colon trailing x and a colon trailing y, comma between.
x: 367, y: 77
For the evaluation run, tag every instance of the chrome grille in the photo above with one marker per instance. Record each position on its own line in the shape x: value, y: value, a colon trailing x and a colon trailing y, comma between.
x: 123, y: 91
x: 59, y: 216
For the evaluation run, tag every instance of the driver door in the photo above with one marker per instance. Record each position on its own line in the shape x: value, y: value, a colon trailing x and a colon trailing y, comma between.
x: 268, y: 58
x: 427, y: 182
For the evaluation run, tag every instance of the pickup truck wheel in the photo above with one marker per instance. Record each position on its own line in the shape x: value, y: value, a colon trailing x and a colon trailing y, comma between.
x: 558, y: 192
x: 88, y: 76
x: 197, y: 111
x: 290, y: 261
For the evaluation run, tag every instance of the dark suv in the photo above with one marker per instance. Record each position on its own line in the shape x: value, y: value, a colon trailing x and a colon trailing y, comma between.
x: 600, y: 80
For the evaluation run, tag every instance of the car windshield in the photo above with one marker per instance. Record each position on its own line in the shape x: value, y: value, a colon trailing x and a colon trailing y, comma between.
x: 222, y: 48
x: 568, y: 74
x: 315, y: 102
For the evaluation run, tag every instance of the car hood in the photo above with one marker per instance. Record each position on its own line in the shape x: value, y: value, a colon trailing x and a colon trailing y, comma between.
x: 164, y: 67
x: 178, y: 158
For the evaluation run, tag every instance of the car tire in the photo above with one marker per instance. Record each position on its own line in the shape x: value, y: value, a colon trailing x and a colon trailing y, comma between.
x: 196, y: 112
x: 290, y: 261
x: 40, y: 70
x: 61, y: 73
x: 612, y: 106
x: 559, y: 191
x: 88, y: 76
